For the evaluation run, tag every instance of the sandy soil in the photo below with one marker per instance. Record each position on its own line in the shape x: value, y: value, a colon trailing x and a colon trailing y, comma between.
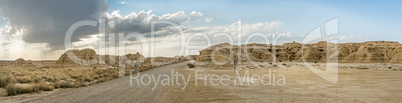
x: 355, y: 85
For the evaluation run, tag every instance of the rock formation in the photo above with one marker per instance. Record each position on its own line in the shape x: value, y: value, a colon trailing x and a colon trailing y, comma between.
x: 84, y: 57
x: 21, y: 63
x: 367, y: 52
x: 88, y: 57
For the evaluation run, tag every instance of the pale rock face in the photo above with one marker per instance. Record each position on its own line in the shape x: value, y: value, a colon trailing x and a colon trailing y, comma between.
x: 88, y: 57
x: 367, y: 52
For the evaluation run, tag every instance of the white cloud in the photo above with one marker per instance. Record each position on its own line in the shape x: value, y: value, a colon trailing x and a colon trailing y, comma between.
x: 123, y: 2
x: 209, y: 19
x: 351, y: 38
x: 141, y: 22
x: 13, y: 47
x: 266, y: 28
x: 195, y: 15
x: 167, y: 40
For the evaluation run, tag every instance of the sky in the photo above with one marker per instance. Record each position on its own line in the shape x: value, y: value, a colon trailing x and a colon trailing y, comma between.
x: 37, y: 29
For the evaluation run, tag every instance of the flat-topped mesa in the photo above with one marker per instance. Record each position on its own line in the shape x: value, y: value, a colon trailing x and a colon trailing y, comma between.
x: 88, y: 57
x: 367, y: 52
x: 84, y: 57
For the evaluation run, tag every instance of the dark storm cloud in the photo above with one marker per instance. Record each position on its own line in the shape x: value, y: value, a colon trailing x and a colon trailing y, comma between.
x: 47, y: 21
x: 141, y: 22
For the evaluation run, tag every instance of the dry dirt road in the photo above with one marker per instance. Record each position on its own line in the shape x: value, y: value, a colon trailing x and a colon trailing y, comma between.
x: 116, y: 91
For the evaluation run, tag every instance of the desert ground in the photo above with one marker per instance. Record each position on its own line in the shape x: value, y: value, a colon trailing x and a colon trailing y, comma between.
x: 368, y: 72
x: 354, y: 85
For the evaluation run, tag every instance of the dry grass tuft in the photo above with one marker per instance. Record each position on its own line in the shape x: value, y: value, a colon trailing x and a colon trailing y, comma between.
x: 66, y: 84
x: 4, y: 81
x: 15, y: 89
x: 45, y: 87
x: 49, y: 79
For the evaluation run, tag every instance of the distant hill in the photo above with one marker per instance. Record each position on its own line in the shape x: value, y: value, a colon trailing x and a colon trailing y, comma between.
x: 367, y: 52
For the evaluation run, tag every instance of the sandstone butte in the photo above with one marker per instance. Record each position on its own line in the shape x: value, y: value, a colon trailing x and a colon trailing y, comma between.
x: 88, y: 57
x: 367, y: 52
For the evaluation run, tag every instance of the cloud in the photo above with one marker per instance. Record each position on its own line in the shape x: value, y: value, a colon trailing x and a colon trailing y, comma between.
x: 351, y: 38
x: 209, y: 19
x: 46, y: 21
x: 172, y: 42
x: 263, y: 27
x: 168, y: 39
x: 123, y: 2
x: 43, y: 24
x: 195, y: 15
x: 141, y: 22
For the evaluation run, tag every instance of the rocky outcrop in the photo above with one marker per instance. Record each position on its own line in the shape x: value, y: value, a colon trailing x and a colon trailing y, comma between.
x: 89, y: 58
x: 21, y: 63
x: 367, y: 52
x: 84, y: 57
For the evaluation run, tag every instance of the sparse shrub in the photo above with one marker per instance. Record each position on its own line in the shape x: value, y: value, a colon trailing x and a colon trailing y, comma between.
x: 362, y: 67
x: 190, y: 65
x: 49, y: 78
x: 101, y: 80
x: 24, y: 79
x: 4, y: 81
x: 43, y: 86
x: 12, y: 90
x: 65, y: 84
x: 75, y: 76
x: 37, y: 80
x: 87, y: 79
x: 98, y: 81
x: 84, y: 84
x: 15, y: 80
x: 95, y: 76
x: 15, y: 89
x: 115, y: 76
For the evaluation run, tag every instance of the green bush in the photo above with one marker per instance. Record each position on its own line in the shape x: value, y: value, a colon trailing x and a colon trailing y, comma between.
x: 4, y: 81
